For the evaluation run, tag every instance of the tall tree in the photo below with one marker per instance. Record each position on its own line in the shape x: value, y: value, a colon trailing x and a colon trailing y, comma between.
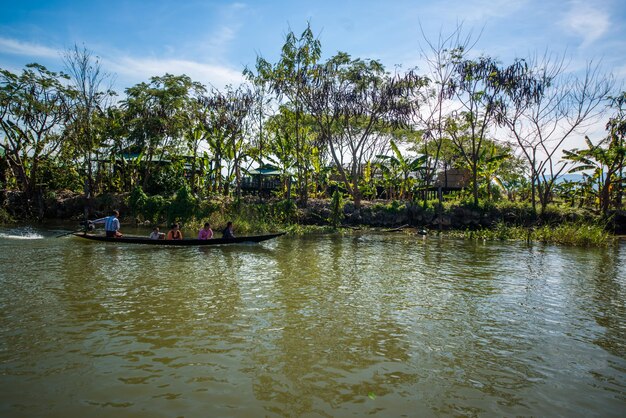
x: 91, y: 98
x: 439, y: 56
x: 260, y: 112
x: 225, y: 126
x: 484, y: 89
x: 353, y: 103
x: 157, y: 114
x: 33, y: 112
x: 565, y: 105
x: 281, y: 135
x: 287, y: 78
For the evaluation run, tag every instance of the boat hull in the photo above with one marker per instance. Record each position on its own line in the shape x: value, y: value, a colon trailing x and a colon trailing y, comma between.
x: 177, y: 243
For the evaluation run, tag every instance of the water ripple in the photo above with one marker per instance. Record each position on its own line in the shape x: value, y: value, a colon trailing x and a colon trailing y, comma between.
x: 377, y: 324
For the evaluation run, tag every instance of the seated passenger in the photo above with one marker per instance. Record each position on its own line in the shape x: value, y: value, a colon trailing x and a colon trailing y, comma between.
x: 175, y: 232
x: 228, y: 231
x: 206, y: 232
x: 155, y: 234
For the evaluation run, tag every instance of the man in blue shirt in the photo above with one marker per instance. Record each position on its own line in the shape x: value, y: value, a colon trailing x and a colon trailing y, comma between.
x: 111, y: 224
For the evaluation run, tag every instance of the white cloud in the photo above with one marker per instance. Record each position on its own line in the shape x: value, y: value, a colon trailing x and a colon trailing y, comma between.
x: 587, y: 21
x: 129, y: 70
x: 217, y: 42
x: 15, y: 47
x: 136, y: 70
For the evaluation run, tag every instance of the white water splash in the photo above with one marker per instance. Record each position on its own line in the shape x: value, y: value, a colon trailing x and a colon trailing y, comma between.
x: 21, y: 233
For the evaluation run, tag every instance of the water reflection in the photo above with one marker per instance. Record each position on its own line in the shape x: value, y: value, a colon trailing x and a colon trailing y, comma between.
x: 377, y: 324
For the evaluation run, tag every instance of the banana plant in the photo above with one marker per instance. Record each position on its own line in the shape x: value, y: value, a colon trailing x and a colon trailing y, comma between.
x: 399, y: 169
x: 604, y: 162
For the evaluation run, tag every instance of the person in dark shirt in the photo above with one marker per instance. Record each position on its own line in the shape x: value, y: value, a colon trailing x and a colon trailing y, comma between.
x: 228, y: 231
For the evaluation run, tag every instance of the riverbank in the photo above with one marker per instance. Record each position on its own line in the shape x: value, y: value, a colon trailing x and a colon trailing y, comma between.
x: 502, y: 221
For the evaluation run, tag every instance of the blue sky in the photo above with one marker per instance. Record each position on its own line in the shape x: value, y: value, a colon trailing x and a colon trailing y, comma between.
x: 212, y: 41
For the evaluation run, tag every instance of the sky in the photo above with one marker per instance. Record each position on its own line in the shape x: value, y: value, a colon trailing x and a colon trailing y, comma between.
x: 213, y: 41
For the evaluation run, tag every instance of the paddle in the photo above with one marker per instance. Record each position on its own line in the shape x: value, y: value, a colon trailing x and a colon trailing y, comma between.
x: 70, y: 233
x: 86, y: 226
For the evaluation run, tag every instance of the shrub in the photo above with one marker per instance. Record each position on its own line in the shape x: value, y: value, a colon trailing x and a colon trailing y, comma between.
x: 183, y: 206
x: 336, y: 209
x: 137, y: 201
x: 154, y: 208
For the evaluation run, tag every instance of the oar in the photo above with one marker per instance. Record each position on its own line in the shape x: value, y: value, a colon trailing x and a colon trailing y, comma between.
x: 70, y: 233
x: 86, y: 226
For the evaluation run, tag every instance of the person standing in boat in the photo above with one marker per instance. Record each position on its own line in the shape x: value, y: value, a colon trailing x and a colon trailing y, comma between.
x: 175, y: 232
x: 111, y: 224
x: 228, y: 231
x: 206, y: 232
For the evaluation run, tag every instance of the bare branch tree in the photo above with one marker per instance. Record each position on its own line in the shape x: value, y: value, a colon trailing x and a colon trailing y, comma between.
x: 566, y: 106
x: 439, y: 57
x: 91, y: 99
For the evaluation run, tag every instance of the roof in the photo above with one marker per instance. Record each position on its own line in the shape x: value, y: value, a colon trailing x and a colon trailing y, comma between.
x: 265, y: 170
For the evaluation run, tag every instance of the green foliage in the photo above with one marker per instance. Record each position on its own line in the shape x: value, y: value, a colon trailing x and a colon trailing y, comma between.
x: 499, y: 232
x: 167, y: 180
x: 284, y: 210
x: 394, y: 206
x: 183, y: 207
x: 137, y: 201
x: 60, y: 134
x: 206, y: 208
x: 579, y: 234
x: 336, y: 209
x: 267, y: 215
x: 569, y: 233
x: 154, y: 208
x: 56, y: 175
x: 246, y: 217
x: 33, y: 109
x: 149, y: 207
x: 5, y: 218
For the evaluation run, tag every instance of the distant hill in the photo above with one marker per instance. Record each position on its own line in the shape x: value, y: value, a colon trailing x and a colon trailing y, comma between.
x: 570, y: 177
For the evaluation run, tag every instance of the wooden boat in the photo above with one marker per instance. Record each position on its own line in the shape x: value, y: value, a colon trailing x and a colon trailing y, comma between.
x: 183, y: 242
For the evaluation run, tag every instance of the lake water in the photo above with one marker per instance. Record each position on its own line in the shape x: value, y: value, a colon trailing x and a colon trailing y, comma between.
x: 373, y: 324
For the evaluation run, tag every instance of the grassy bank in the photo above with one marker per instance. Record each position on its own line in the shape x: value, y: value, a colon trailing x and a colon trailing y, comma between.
x: 501, y: 221
x: 575, y: 234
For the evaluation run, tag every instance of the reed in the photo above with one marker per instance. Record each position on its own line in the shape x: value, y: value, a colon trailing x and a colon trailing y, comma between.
x: 574, y: 234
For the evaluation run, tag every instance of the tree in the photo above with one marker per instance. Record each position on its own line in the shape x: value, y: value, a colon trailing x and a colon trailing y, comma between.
x: 484, y: 90
x: 440, y: 57
x: 353, y: 104
x: 564, y: 105
x: 606, y: 159
x: 156, y: 117
x: 259, y: 114
x: 33, y: 111
x: 282, y: 143
x: 498, y: 166
x: 287, y: 78
x: 90, y: 101
x: 400, y: 168
x: 225, y: 126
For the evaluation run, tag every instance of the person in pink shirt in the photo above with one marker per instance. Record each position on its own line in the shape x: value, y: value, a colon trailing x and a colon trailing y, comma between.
x: 206, y: 232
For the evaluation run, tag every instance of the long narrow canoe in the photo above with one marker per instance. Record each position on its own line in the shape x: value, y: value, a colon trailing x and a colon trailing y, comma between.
x: 183, y: 242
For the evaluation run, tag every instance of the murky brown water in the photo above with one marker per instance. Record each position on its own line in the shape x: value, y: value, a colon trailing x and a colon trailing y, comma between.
x: 377, y: 324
